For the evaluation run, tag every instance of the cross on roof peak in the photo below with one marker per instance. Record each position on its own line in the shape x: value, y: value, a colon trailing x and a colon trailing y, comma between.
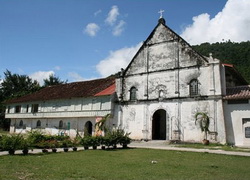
x: 161, y: 12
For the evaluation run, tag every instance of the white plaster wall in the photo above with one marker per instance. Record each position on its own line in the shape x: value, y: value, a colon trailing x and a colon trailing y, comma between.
x: 137, y: 119
x: 65, y: 108
x: 132, y: 120
x: 234, y: 113
x: 50, y: 126
x: 138, y: 82
x: 164, y: 81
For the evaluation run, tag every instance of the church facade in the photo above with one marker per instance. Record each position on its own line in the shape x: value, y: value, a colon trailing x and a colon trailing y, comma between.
x: 155, y: 98
x: 165, y: 85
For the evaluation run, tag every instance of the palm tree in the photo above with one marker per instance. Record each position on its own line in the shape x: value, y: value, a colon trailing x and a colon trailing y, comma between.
x: 100, y: 125
x: 203, y: 119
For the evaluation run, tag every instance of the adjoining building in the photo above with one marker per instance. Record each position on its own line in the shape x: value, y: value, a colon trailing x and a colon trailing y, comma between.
x: 155, y: 98
x: 63, y: 109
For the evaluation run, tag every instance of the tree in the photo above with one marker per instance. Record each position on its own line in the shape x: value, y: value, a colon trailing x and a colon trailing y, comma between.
x: 14, y: 85
x: 204, y: 121
x: 237, y: 54
x: 53, y: 80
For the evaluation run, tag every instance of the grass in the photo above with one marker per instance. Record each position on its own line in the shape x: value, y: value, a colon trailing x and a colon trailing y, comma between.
x: 124, y: 164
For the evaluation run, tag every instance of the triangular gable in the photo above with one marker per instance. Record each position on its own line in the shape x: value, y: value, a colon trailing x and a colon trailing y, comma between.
x: 162, y: 50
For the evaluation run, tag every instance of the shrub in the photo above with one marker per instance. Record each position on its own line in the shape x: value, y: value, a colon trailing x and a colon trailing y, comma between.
x: 40, y: 140
x: 125, y: 140
x: 76, y: 141
x: 117, y: 136
x: 42, y: 144
x: 61, y: 138
x: 86, y: 141
x: 36, y: 138
x: 66, y: 143
x: 25, y: 144
x: 12, y: 142
x: 94, y: 141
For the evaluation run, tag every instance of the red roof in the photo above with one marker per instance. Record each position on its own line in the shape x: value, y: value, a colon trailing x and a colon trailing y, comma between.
x: 238, y: 92
x: 108, y: 91
x: 98, y: 87
x: 229, y: 65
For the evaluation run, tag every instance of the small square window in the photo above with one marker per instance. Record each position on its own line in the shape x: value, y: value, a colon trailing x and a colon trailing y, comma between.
x: 34, y: 108
x: 18, y: 109
x: 247, y: 132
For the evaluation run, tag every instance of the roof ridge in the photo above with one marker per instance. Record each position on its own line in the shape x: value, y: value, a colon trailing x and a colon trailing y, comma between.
x: 238, y: 86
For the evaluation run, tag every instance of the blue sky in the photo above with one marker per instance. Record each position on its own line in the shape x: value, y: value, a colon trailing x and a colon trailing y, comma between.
x: 86, y: 39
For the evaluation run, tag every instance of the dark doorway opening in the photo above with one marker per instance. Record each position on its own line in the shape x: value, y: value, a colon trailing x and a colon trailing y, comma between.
x: 159, y: 125
x: 88, y: 128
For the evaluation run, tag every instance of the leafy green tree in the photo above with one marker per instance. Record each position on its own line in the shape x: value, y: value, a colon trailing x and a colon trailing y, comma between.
x: 14, y: 85
x: 237, y: 54
x: 53, y: 80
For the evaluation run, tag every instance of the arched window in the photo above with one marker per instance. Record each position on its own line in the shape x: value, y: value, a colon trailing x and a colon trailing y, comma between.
x: 193, y: 87
x: 133, y: 94
x: 38, y: 124
x: 21, y: 123
x: 60, y: 124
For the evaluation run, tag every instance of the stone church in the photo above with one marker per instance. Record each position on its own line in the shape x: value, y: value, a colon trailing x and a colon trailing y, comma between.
x: 155, y: 97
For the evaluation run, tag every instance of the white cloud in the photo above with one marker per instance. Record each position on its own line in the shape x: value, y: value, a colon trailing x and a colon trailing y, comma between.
x: 41, y: 75
x: 116, y: 60
x: 233, y: 23
x: 112, y: 15
x: 75, y: 76
x: 119, y: 28
x: 91, y: 29
x: 97, y: 12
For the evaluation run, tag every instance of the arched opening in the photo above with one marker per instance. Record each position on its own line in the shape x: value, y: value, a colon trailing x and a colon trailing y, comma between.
x: 88, y: 128
x: 38, y: 124
x: 21, y: 123
x: 193, y: 87
x: 159, y: 126
x: 133, y: 94
x: 60, y: 124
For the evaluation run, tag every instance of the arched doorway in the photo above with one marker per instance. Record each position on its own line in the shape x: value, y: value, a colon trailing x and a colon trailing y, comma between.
x: 88, y: 128
x: 159, y: 127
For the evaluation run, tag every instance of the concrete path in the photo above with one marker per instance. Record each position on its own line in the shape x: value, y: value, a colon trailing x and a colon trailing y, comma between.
x: 165, y: 146
x: 150, y: 145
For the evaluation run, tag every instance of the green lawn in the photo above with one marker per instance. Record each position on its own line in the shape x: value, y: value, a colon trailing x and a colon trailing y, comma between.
x: 124, y: 164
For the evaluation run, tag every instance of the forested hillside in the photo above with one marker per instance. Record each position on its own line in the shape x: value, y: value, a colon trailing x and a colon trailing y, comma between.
x: 237, y: 54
